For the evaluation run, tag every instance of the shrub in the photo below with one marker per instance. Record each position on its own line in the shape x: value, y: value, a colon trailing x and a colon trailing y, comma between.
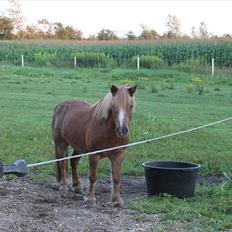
x: 192, y: 65
x: 45, y: 58
x: 83, y: 88
x: 147, y: 61
x: 217, y: 89
x: 92, y: 59
x: 200, y: 89
x: 109, y: 81
x: 154, y: 88
x: 141, y: 86
x: 189, y: 88
x: 171, y: 86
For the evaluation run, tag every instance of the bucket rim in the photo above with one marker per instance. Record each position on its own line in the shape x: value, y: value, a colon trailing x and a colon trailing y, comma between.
x: 193, y: 167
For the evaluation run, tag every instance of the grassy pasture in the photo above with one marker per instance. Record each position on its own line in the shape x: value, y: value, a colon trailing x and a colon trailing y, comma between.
x: 167, y: 101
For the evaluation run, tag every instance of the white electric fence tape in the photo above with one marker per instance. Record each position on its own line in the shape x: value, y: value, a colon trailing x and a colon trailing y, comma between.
x: 129, y: 144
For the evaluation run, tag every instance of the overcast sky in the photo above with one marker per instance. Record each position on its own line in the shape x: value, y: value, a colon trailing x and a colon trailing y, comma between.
x: 121, y: 16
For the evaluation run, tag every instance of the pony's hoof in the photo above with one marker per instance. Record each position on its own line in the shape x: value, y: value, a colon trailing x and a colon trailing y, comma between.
x: 90, y: 204
x: 63, y: 191
x: 77, y: 189
x: 118, y: 203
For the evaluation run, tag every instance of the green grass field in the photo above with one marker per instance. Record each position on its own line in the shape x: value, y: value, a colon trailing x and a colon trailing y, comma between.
x: 167, y: 101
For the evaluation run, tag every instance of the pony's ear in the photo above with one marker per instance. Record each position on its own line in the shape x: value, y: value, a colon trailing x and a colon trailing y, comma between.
x: 132, y: 90
x: 114, y: 90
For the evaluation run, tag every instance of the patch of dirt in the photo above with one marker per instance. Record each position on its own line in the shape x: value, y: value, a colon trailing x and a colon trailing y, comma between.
x: 31, y: 207
x: 39, y: 207
x: 210, y: 181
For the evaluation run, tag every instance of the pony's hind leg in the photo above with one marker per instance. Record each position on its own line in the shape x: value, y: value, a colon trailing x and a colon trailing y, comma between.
x: 90, y: 197
x: 61, y: 152
x: 76, y: 185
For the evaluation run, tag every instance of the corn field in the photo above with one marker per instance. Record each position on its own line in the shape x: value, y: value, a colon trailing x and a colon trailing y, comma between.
x: 96, y: 54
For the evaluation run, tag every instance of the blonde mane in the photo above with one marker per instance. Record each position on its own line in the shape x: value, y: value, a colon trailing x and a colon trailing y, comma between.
x: 105, y: 104
x: 103, y: 107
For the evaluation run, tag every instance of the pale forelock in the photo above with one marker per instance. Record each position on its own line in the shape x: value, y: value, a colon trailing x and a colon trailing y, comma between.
x: 104, y: 105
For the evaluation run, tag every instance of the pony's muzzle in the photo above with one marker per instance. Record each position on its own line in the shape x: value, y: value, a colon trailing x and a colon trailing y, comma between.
x: 121, y: 131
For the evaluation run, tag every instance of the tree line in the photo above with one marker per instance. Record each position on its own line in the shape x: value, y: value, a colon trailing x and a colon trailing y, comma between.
x: 12, y: 27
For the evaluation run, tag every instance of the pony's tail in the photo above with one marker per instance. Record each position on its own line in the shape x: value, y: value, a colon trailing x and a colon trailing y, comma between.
x: 57, y: 134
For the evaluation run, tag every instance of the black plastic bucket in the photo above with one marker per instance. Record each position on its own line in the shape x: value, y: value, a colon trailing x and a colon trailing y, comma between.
x: 175, y: 178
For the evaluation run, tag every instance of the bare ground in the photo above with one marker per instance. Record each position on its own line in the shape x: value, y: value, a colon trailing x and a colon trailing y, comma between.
x: 39, y: 207
x: 34, y: 207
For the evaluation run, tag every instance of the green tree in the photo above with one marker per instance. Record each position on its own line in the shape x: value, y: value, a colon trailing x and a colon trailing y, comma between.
x: 66, y: 32
x: 227, y: 36
x: 106, y: 34
x: 31, y: 32
x: 130, y: 35
x: 148, y: 34
x: 193, y: 32
x: 169, y: 35
x: 6, y: 27
x: 45, y: 28
x: 92, y: 37
x: 203, y: 33
x: 173, y: 24
x: 57, y: 30
x: 15, y: 12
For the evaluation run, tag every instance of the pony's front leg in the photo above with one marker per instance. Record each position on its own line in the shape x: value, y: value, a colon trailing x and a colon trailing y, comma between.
x: 90, y: 197
x: 116, y: 162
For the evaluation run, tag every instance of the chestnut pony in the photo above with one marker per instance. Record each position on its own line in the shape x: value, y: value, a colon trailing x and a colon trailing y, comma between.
x: 88, y: 128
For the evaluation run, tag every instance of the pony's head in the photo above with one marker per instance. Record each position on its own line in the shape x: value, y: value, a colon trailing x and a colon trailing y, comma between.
x: 119, y: 105
x: 123, y: 105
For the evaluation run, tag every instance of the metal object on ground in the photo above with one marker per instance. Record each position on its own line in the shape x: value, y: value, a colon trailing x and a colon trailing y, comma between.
x: 19, y: 168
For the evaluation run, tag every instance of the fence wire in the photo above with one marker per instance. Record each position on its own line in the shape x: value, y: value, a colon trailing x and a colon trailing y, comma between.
x: 130, y: 144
